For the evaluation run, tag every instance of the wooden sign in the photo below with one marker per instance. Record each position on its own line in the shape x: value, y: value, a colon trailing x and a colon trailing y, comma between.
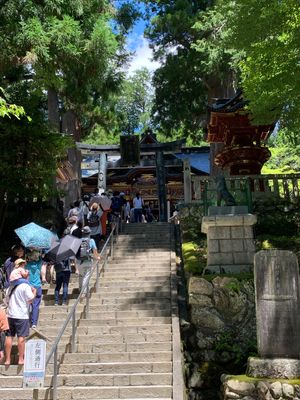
x: 130, y: 150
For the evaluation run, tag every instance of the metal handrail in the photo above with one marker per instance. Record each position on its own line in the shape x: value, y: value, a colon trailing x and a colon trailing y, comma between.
x: 72, y: 313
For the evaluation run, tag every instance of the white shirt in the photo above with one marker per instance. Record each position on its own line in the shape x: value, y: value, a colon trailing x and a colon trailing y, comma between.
x: 18, y: 302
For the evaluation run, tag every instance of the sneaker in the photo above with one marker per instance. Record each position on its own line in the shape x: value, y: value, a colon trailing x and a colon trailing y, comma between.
x: 33, y: 326
x: 63, y: 303
x: 56, y: 304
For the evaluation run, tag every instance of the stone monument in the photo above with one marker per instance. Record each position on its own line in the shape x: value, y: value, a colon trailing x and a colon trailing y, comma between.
x: 276, y: 275
x: 230, y: 244
x: 275, y: 374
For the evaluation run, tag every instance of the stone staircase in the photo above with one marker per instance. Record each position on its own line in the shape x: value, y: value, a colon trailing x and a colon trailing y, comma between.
x: 128, y: 346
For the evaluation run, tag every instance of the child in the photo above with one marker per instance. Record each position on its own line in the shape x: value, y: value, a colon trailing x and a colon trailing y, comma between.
x: 19, y: 274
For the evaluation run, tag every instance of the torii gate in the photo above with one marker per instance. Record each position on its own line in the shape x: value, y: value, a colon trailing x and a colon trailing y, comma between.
x: 158, y: 148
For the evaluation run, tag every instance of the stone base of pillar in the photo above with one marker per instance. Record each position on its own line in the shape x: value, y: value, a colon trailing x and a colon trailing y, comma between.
x: 281, y: 368
x: 227, y: 269
x: 242, y: 387
x: 230, y: 244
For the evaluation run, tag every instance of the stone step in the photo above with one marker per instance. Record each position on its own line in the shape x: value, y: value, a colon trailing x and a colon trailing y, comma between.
x: 90, y: 379
x: 125, y: 321
x: 148, y: 357
x: 54, y: 310
x: 151, y: 283
x: 97, y: 367
x: 105, y: 315
x: 131, y: 307
x: 43, y: 325
x: 133, y: 294
x: 87, y: 392
x: 139, y: 247
x: 135, y: 279
x: 126, y: 338
x: 134, y: 275
x: 103, y: 291
x: 116, y: 368
x: 132, y: 272
x: 104, y: 330
x: 132, y: 300
x: 123, y: 347
x: 137, y: 266
x: 154, y: 255
x: 144, y: 250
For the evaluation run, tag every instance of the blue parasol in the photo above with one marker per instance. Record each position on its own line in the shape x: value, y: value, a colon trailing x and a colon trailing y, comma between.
x: 34, y: 235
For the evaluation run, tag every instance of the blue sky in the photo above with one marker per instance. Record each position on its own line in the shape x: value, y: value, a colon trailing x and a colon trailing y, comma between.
x: 138, y: 44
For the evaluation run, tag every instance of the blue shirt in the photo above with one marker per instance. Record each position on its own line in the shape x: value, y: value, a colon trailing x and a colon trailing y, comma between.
x: 34, y: 268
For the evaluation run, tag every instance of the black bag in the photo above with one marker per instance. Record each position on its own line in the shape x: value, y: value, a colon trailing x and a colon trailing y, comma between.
x: 93, y: 219
x: 62, y: 266
x: 116, y: 204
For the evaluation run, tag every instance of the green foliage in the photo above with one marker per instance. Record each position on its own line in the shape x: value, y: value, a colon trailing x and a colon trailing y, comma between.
x: 133, y: 105
x: 239, y: 351
x: 73, y: 48
x: 10, y: 110
x: 194, y: 256
x: 180, y: 96
x: 284, y: 160
x: 29, y: 151
x: 261, y: 41
x: 277, y: 222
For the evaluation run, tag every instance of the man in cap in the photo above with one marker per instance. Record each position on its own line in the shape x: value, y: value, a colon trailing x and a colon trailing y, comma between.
x: 88, y: 252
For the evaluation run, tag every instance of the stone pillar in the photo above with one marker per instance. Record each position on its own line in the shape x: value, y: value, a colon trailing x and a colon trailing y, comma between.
x: 161, y: 183
x: 276, y: 276
x: 230, y: 244
x: 102, y: 173
x: 187, y: 181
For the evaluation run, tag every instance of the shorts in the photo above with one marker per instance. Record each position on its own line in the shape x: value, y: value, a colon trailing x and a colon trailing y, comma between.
x: 19, y: 327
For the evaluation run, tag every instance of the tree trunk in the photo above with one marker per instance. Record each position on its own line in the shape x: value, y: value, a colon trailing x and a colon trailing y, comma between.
x: 53, y: 109
x: 70, y: 125
x: 218, y: 89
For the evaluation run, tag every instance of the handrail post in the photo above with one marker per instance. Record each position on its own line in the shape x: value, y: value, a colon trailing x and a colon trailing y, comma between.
x: 87, y: 304
x: 97, y: 276
x: 112, y: 246
x: 55, y: 371
x: 73, y: 344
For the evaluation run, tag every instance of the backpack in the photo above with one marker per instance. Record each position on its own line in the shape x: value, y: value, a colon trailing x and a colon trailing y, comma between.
x: 116, y: 204
x: 93, y: 219
x: 62, y: 266
x: 85, y: 249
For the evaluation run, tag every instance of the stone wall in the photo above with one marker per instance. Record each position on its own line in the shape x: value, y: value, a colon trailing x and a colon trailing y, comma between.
x: 222, y: 329
x: 257, y: 389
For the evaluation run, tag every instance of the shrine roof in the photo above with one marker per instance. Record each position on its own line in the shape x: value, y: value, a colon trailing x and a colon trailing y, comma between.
x: 199, y: 161
x: 198, y: 157
x: 232, y: 104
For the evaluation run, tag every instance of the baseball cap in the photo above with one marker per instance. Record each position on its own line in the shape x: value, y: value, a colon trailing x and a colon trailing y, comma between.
x: 86, y: 229
x: 19, y: 261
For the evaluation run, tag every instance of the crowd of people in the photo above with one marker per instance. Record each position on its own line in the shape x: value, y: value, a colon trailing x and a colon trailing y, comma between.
x: 27, y: 269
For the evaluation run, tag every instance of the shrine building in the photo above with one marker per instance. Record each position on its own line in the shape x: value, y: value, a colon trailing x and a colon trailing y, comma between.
x: 244, y: 150
x: 142, y: 164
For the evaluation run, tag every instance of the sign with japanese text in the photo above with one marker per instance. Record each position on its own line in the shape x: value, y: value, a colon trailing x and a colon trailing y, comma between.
x: 35, y: 360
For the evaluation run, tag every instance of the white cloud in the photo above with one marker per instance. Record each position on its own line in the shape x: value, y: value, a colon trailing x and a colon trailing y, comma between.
x: 143, y: 56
